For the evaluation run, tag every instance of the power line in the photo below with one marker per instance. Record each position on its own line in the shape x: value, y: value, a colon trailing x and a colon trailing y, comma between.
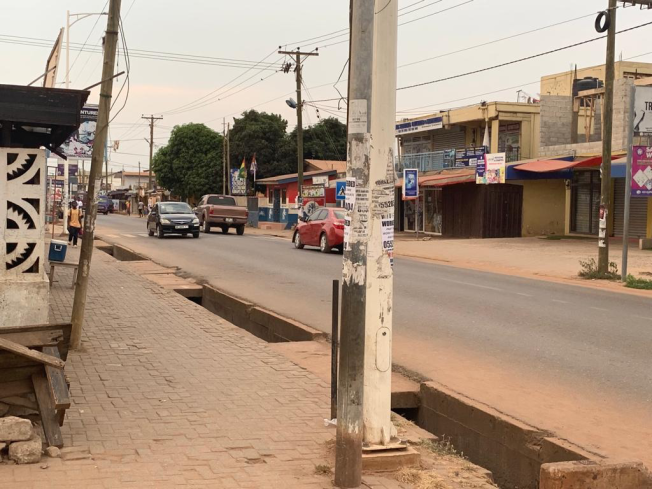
x: 87, y: 38
x: 501, y: 65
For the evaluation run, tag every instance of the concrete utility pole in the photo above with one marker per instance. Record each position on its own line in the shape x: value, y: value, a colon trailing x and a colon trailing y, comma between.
x: 297, y: 70
x: 364, y: 387
x: 628, y: 180
x: 228, y: 155
x: 223, y: 156
x: 151, y: 120
x: 86, y: 254
x: 605, y: 191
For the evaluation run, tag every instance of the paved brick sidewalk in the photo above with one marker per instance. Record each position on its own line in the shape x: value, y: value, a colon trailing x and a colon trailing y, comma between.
x: 165, y: 394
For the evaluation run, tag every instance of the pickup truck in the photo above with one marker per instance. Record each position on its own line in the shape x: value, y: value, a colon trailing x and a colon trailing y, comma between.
x: 221, y: 211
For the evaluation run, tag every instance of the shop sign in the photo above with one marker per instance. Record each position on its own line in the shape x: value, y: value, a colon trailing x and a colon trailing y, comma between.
x: 420, y: 125
x: 313, y: 191
x: 643, y: 110
x: 410, y: 183
x: 642, y: 171
x: 491, y: 169
x: 469, y: 156
x: 238, y: 185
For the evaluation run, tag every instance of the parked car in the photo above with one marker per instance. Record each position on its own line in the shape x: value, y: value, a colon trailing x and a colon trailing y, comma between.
x: 324, y: 228
x: 104, y: 205
x: 221, y: 211
x: 172, y: 218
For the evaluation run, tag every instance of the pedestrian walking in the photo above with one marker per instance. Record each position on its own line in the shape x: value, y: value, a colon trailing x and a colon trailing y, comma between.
x: 141, y: 206
x: 128, y: 204
x: 74, y: 224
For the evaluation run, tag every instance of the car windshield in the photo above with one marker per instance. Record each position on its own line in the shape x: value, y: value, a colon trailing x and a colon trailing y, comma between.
x: 175, y: 208
x: 219, y: 200
x: 340, y: 214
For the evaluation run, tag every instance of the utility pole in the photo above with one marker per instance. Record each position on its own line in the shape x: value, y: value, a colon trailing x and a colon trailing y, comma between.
x: 223, y: 156
x: 151, y: 120
x: 297, y: 70
x: 86, y: 254
x: 138, y: 181
x: 605, y: 190
x: 364, y: 386
x: 628, y: 180
x: 228, y: 155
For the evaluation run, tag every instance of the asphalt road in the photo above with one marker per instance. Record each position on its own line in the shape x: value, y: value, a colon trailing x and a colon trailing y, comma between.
x: 592, y: 345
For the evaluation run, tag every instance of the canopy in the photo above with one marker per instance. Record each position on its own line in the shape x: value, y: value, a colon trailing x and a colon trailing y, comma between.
x: 545, y: 166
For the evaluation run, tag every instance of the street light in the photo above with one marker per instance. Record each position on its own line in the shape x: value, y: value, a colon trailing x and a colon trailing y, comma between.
x: 68, y: 26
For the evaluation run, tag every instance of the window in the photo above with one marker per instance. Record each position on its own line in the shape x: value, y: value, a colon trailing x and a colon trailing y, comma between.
x: 220, y: 200
x: 175, y: 208
x: 284, y: 196
x: 318, y: 215
x: 339, y: 214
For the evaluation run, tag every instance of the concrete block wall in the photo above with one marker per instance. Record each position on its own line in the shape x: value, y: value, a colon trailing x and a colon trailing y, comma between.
x: 24, y: 289
x: 556, y: 120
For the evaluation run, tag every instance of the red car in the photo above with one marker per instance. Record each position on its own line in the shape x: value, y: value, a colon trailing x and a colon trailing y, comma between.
x: 324, y: 228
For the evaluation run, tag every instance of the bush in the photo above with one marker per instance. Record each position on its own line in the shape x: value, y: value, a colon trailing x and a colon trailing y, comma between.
x: 638, y: 283
x: 589, y: 271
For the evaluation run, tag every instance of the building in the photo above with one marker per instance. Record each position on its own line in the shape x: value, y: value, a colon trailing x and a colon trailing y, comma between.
x: 131, y: 180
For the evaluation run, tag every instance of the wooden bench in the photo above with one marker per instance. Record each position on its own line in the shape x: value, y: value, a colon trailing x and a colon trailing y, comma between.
x: 31, y: 361
x: 54, y: 264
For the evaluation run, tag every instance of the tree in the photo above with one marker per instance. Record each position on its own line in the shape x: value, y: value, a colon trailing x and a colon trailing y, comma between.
x: 326, y: 140
x: 263, y: 134
x: 190, y: 165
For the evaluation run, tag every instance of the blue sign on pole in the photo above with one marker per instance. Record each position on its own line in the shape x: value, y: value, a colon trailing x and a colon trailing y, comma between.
x: 340, y: 190
x: 410, y: 183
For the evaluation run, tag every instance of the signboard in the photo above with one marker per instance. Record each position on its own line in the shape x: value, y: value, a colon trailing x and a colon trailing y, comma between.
x: 323, y: 180
x: 642, y: 171
x: 238, y: 185
x: 80, y: 144
x: 340, y: 190
x: 643, y: 110
x: 469, y: 156
x: 491, y: 169
x: 420, y: 125
x: 72, y: 169
x: 313, y: 191
x: 410, y: 184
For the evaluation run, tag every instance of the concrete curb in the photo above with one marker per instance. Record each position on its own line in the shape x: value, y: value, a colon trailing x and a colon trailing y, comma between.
x: 595, y: 475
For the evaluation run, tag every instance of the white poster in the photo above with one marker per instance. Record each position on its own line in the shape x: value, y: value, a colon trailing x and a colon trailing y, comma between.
x: 358, y: 116
x: 349, y: 202
x: 80, y: 144
x: 643, y: 110
x: 347, y: 234
x: 387, y: 232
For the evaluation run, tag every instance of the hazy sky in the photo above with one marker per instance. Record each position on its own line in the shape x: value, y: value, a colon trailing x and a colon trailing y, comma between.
x: 253, y: 29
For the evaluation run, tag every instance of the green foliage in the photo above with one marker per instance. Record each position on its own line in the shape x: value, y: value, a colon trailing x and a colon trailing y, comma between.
x: 191, y: 163
x: 638, y: 283
x: 326, y: 140
x: 589, y: 270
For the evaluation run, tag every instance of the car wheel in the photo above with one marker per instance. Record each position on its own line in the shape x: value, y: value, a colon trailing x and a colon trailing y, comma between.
x: 225, y: 230
x: 240, y: 230
x: 297, y: 241
x: 150, y: 232
x: 323, y: 244
x: 207, y: 227
x: 195, y: 235
x: 159, y: 232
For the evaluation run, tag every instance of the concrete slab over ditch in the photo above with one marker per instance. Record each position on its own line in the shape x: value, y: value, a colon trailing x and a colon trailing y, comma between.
x: 595, y: 475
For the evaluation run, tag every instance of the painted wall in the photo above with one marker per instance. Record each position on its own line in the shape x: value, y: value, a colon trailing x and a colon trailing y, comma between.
x: 544, y: 207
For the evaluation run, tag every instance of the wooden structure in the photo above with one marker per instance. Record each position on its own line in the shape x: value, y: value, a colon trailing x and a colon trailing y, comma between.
x: 32, y: 359
x: 482, y: 211
x: 61, y: 264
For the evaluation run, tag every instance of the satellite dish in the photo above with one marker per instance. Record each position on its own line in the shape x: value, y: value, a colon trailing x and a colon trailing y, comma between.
x: 291, y: 103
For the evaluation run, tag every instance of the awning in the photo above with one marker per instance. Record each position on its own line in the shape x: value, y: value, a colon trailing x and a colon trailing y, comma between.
x: 447, y: 177
x: 545, y: 166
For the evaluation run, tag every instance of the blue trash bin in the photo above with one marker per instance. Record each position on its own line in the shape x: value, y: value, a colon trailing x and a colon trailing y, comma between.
x: 57, y: 250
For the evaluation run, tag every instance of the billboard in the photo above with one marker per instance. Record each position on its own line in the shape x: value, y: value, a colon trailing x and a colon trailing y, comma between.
x: 643, y: 110
x: 52, y: 66
x: 410, y: 184
x: 642, y: 171
x: 80, y: 144
x: 491, y: 170
x: 469, y: 156
x: 238, y: 185
x: 313, y: 191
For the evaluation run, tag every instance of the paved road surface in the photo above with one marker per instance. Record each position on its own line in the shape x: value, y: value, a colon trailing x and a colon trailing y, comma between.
x: 565, y: 357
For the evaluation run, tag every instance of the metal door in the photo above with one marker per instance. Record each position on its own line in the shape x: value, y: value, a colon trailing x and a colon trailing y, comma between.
x: 637, y: 212
x: 252, y: 208
x: 276, y: 209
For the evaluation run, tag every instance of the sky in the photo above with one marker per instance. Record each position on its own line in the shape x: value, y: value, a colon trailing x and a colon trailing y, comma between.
x: 248, y: 32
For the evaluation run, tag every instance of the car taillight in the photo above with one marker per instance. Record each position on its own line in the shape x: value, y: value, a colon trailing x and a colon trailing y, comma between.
x: 210, y: 211
x: 338, y: 225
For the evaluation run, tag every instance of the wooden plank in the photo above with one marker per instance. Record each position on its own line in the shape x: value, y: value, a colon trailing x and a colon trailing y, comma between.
x: 20, y: 373
x: 21, y: 401
x: 36, y: 327
x: 593, y: 91
x: 15, y: 388
x: 32, y: 339
x: 46, y: 409
x: 37, y: 356
x: 10, y: 361
x: 57, y: 382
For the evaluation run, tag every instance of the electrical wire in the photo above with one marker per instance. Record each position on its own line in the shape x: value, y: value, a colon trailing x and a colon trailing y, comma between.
x: 127, y: 76
x: 508, y: 63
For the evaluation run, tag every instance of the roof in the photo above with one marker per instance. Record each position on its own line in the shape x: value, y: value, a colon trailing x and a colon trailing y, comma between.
x: 293, y: 177
x: 135, y: 173
x: 340, y: 166
x: 451, y: 176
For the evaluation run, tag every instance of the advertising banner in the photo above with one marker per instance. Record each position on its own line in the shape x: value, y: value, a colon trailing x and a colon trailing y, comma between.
x: 238, y: 184
x: 642, y: 171
x: 73, y: 169
x: 491, y: 170
x: 643, y: 110
x: 410, y: 184
x: 469, y: 156
x: 420, y: 125
x: 80, y: 144
x: 313, y: 191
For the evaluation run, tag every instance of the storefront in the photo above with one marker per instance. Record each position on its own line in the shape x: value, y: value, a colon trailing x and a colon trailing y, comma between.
x: 585, y: 201
x: 637, y: 212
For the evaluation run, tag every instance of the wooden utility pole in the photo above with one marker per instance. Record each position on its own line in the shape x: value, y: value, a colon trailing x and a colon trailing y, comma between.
x: 223, y: 156
x: 605, y: 190
x: 94, y: 180
x: 297, y: 54
x: 151, y: 120
x: 228, y: 155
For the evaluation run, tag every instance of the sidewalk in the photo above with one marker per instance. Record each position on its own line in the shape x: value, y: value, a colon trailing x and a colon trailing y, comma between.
x: 165, y: 394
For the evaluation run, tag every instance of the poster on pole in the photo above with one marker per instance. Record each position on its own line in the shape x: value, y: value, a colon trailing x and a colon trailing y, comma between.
x: 492, y: 170
x: 80, y: 144
x: 238, y: 184
x: 643, y: 110
x: 410, y: 184
x: 642, y: 171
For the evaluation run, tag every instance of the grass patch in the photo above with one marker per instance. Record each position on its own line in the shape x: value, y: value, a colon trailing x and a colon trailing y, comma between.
x: 421, y: 479
x: 638, y: 283
x: 589, y: 271
x: 323, y: 469
x: 559, y: 237
x: 443, y: 448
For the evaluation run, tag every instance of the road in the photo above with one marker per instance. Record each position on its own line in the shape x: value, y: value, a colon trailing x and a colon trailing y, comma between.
x: 561, y: 357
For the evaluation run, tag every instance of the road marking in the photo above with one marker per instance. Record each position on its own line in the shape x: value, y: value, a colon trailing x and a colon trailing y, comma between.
x: 144, y: 235
x: 129, y: 236
x: 112, y: 236
x: 599, y: 308
x: 560, y: 302
x: 524, y: 295
x: 474, y: 285
x: 642, y: 317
